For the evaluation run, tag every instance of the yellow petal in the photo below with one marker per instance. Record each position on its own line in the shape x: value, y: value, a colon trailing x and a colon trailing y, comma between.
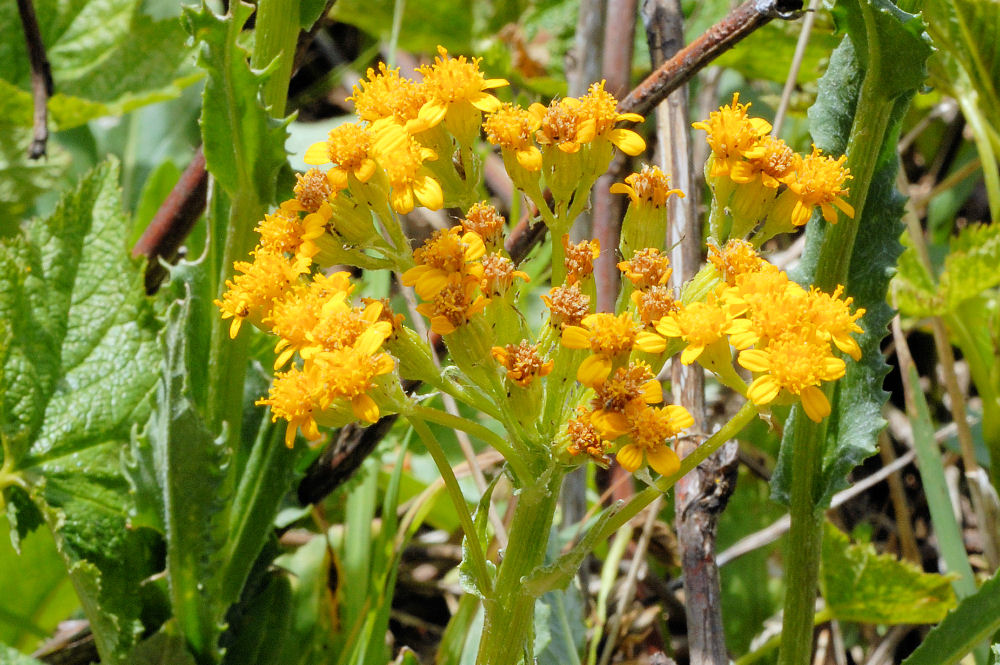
x: 594, y: 370
x: 402, y: 200
x: 432, y: 112
x: 318, y: 153
x: 763, y: 390
x: 650, y: 342
x: 691, y: 353
x: 621, y: 188
x: 628, y: 141
x: 429, y: 193
x: 611, y: 424
x: 575, y: 337
x: 365, y: 408
x: 844, y: 206
x: 755, y: 360
x: 630, y: 457
x: 530, y: 158
x: 367, y: 169
x: 680, y: 417
x: 337, y: 178
x: 486, y: 103
x: 815, y: 403
x: 652, y: 392
x: 663, y: 460
x: 667, y: 326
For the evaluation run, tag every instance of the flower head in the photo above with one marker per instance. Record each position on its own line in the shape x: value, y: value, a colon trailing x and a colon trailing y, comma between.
x: 819, y: 181
x: 522, y: 361
x: 456, y: 94
x: 447, y: 257
x: 650, y: 429
x: 649, y: 187
x: 796, y: 364
x: 736, y: 258
x: 654, y: 303
x: 608, y: 337
x: 386, y: 94
x: 770, y: 159
x: 568, y: 305
x: 350, y: 147
x: 647, y: 268
x: 484, y: 220
x: 700, y: 324
x: 402, y: 158
x: 563, y: 124
x: 263, y: 281
x: 731, y: 133
x: 580, y: 258
x: 452, y: 307
x: 582, y: 438
x: 627, y: 386
x: 513, y: 129
x: 312, y: 189
x: 292, y: 397
x: 348, y: 374
x: 601, y: 106
x: 499, y: 274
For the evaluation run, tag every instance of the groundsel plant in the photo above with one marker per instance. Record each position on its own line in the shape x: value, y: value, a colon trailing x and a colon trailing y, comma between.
x: 579, y: 387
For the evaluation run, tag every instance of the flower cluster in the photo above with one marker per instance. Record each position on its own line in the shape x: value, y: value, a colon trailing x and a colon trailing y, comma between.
x: 757, y: 178
x: 583, y: 384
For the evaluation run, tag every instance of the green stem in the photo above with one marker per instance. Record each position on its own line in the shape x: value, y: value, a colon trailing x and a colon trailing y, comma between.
x: 805, y: 537
x: 475, y: 429
x: 455, y: 492
x: 275, y: 36
x: 509, y: 610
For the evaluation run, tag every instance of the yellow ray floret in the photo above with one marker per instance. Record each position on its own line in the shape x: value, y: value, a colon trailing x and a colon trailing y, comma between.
x: 609, y: 337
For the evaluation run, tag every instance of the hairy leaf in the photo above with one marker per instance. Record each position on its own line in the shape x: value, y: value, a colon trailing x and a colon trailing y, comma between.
x: 108, y: 57
x: 244, y: 146
x: 78, y: 358
x: 179, y: 472
x: 856, y: 418
x: 861, y: 585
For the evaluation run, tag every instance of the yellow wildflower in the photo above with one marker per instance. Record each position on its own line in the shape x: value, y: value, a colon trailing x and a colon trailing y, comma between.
x: 632, y: 385
x: 580, y: 258
x: 349, y: 146
x: 349, y: 374
x: 499, y: 274
x: 447, y: 257
x: 736, y: 258
x: 654, y: 303
x: 609, y: 338
x: 700, y: 324
x: 568, y: 305
x: 456, y: 94
x: 770, y: 159
x: 731, y: 133
x: 819, y: 181
x: 647, y: 268
x: 484, y: 220
x: 582, y: 438
x: 796, y: 364
x: 563, y: 124
x: 833, y: 319
x: 402, y: 158
x: 522, y: 361
x: 452, y: 307
x: 264, y: 280
x: 340, y: 325
x: 386, y: 94
x: 292, y: 397
x: 513, y: 129
x: 650, y: 429
x: 648, y: 187
x: 601, y: 106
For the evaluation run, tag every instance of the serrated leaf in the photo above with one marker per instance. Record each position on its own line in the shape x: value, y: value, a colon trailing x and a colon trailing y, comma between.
x: 244, y: 145
x: 108, y: 57
x: 971, y: 265
x: 861, y: 585
x: 968, y: 32
x: 913, y: 288
x: 856, y: 418
x: 78, y: 367
x: 187, y: 490
x: 975, y: 619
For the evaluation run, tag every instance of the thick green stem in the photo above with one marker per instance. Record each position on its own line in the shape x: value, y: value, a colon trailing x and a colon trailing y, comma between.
x: 804, y: 540
x: 275, y: 36
x: 510, y: 609
x: 457, y: 498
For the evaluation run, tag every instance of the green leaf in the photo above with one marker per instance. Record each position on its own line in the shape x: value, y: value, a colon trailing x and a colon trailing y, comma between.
x: 975, y: 619
x: 37, y: 592
x: 161, y: 649
x: 858, y: 398
x: 244, y: 146
x: 969, y: 269
x: 861, y: 585
x: 309, y: 632
x: 22, y: 180
x: 108, y: 57
x: 77, y: 375
x: 179, y: 472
